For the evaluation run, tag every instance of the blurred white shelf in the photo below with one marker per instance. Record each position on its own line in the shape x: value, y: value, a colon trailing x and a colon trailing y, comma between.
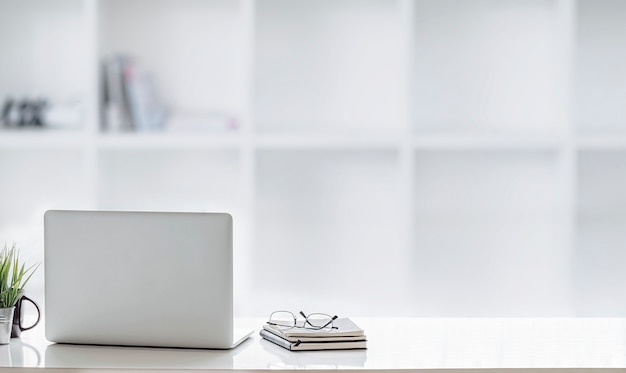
x: 468, y: 141
x: 420, y: 101
x: 37, y: 139
x: 451, y: 141
x: 185, y: 140
x: 343, y: 141
x: 168, y: 140
x: 615, y: 141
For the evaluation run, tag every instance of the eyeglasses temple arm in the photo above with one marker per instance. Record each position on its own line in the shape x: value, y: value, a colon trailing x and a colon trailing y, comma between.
x: 330, y: 322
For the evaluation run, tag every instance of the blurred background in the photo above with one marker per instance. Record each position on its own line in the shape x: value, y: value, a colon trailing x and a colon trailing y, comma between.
x: 379, y: 157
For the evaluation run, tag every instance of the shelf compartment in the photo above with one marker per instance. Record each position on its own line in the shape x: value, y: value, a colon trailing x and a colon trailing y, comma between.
x: 486, y: 66
x: 34, y: 181
x: 192, y: 48
x: 168, y: 180
x: 488, y: 236
x: 43, y: 51
x: 599, y: 253
x: 56, y: 179
x: 328, y: 224
x: 330, y: 66
x: 600, y: 74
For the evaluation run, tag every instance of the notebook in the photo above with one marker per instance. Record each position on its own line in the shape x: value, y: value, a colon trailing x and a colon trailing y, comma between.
x: 159, y: 279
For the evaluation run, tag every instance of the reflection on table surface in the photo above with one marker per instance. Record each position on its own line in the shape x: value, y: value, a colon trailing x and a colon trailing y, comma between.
x: 316, y: 360
x: 19, y: 354
x: 393, y: 344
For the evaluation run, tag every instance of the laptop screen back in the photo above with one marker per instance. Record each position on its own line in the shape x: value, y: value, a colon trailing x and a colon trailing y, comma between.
x: 139, y: 278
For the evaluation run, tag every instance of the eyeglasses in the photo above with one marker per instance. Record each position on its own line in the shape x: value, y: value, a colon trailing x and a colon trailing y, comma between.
x: 314, y: 321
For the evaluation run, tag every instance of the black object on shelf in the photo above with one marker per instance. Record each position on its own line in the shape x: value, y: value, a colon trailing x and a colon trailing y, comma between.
x: 24, y: 113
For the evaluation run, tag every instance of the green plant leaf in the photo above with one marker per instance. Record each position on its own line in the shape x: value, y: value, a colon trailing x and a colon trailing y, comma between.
x: 13, y: 276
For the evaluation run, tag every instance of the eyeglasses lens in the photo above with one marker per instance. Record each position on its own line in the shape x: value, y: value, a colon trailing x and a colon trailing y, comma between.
x: 283, y: 318
x: 319, y: 320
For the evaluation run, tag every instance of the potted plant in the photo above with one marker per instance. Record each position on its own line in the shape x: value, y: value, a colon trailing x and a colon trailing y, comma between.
x: 13, y: 277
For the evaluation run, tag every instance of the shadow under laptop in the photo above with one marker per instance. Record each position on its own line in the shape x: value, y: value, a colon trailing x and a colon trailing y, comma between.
x: 60, y: 355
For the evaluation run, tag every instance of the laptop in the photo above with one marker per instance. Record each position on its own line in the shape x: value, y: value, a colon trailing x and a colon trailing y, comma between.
x: 154, y: 279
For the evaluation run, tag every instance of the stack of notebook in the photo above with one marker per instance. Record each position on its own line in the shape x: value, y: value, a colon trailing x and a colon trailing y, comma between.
x: 346, y: 335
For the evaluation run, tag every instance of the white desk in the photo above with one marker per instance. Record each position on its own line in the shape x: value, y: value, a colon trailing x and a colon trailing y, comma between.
x: 394, y: 344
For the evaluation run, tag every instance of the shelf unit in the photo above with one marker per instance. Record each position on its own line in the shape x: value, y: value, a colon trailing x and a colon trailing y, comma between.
x: 427, y: 157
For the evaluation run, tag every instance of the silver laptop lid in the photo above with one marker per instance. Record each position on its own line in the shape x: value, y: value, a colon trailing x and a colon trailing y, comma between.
x: 139, y: 278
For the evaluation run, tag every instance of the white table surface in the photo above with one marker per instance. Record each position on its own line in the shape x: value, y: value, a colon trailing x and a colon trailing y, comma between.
x: 409, y: 344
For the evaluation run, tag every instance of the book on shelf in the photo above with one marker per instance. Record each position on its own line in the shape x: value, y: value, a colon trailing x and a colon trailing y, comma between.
x: 130, y: 100
x: 116, y: 114
x: 345, y: 335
